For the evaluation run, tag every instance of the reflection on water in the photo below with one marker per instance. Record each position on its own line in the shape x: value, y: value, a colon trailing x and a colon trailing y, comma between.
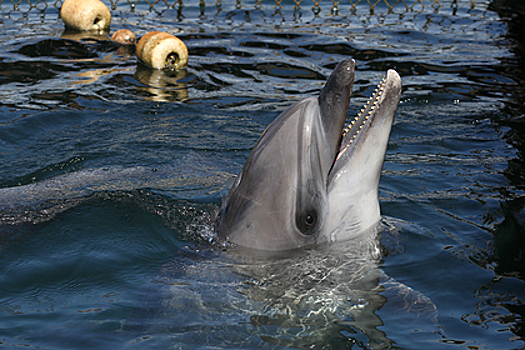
x: 86, y: 58
x: 116, y: 171
x: 94, y: 35
x: 321, y: 298
x: 163, y: 85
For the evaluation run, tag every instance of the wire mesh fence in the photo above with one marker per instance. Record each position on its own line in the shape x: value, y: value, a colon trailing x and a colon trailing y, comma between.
x: 373, y: 6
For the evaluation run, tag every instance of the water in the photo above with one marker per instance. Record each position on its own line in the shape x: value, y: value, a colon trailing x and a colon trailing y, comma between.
x: 111, y: 174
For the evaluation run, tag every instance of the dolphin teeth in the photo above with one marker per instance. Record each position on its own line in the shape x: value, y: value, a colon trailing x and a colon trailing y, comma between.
x: 349, y: 133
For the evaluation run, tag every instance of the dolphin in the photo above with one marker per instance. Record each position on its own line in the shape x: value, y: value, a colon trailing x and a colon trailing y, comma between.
x: 310, y: 180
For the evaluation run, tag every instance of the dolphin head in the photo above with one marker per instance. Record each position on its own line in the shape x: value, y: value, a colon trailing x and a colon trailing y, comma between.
x: 309, y: 180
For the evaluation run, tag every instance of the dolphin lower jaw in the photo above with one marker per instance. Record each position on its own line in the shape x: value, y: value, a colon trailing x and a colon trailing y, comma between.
x: 352, y: 212
x: 362, y: 131
x: 353, y: 192
x: 354, y: 179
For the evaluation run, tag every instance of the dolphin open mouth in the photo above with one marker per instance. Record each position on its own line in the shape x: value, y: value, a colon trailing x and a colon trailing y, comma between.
x: 383, y: 98
x: 352, y: 130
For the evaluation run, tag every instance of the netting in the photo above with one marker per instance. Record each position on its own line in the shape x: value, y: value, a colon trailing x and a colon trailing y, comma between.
x: 379, y: 6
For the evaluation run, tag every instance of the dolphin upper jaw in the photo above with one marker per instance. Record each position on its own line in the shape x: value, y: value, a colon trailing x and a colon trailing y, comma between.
x: 309, y: 180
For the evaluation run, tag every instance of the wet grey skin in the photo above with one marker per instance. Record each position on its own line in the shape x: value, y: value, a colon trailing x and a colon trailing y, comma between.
x: 309, y: 180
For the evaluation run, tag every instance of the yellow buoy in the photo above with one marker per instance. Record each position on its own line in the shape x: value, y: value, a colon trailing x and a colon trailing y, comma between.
x: 85, y: 15
x: 162, y: 50
x: 124, y: 36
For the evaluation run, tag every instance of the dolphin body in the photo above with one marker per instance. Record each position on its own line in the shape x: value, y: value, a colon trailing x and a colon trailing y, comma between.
x: 309, y: 180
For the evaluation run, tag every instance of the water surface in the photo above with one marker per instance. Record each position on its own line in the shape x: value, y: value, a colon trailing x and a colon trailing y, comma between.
x: 112, y: 173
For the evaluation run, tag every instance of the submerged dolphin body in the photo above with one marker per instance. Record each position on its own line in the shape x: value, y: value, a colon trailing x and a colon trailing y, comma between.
x: 308, y: 179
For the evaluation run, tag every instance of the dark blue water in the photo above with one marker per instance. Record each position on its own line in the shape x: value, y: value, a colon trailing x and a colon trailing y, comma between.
x: 111, y: 175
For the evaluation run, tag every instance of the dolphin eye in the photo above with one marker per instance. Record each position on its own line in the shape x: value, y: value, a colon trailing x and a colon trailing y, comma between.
x: 307, y: 222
